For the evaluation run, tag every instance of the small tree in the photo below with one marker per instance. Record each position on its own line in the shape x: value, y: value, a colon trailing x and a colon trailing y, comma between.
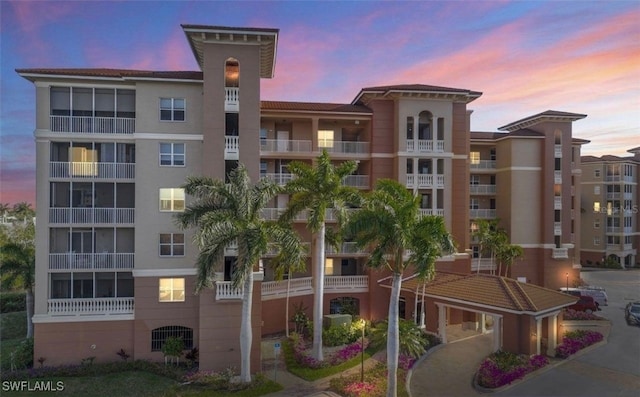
x: 172, y: 349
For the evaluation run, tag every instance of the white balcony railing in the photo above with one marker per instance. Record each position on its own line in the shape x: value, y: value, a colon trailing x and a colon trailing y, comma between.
x: 347, y: 248
x: 557, y: 203
x: 614, y: 229
x: 557, y: 228
x: 95, y: 261
x: 430, y: 211
x: 225, y: 291
x: 358, y: 181
x: 424, y: 145
x: 284, y: 146
x: 279, y: 178
x: 557, y: 151
x: 67, y: 169
x: 92, y: 125
x: 486, y: 264
x: 482, y: 213
x: 350, y: 147
x: 560, y: 253
x: 613, y: 195
x: 303, y: 286
x: 91, y: 215
x: 482, y: 189
x: 557, y: 177
x: 231, y: 147
x: 232, y: 99
x: 90, y: 306
x: 482, y: 164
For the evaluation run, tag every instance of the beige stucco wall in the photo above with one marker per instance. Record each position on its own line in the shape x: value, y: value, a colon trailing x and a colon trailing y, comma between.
x: 148, y: 96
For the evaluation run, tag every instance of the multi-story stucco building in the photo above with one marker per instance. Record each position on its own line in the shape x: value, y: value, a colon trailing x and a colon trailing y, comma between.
x: 610, y: 209
x: 114, y: 146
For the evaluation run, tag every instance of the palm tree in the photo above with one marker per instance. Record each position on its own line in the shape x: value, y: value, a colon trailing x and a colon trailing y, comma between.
x: 280, y: 269
x: 391, y: 226
x: 508, y: 254
x: 485, y: 235
x: 18, y: 266
x: 23, y: 211
x: 318, y: 189
x: 230, y: 214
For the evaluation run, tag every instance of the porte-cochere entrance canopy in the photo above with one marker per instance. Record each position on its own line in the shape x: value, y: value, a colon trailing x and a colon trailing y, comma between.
x: 519, y: 310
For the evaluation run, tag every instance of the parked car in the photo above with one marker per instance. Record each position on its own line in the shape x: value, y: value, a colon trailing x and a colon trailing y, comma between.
x: 585, y: 304
x: 598, y: 294
x: 632, y: 313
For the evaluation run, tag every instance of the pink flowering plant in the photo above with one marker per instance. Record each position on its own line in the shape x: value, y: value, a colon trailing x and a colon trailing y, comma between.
x: 573, y: 341
x: 571, y: 314
x: 502, y: 368
x: 304, y: 359
x: 373, y: 385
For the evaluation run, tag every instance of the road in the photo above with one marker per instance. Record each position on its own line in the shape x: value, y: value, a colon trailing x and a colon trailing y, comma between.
x: 612, y: 370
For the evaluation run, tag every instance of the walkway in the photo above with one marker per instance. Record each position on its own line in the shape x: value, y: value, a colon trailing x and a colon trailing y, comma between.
x: 449, y: 369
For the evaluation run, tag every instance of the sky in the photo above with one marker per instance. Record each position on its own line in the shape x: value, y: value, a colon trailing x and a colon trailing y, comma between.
x: 524, y: 56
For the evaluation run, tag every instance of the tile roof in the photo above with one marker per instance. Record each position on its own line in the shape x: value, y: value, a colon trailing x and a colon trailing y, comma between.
x: 112, y: 73
x: 460, y: 94
x: 546, y: 116
x: 480, y: 289
x: 314, y: 107
x: 482, y: 135
x: 606, y: 157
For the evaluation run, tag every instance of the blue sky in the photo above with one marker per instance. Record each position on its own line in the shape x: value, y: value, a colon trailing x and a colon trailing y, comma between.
x: 526, y: 57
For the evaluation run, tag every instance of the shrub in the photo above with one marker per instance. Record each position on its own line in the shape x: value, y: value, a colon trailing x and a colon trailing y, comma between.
x: 23, y: 355
x: 502, y: 368
x: 342, y: 334
x: 573, y: 341
x: 570, y: 314
x: 303, y: 359
x: 13, y: 301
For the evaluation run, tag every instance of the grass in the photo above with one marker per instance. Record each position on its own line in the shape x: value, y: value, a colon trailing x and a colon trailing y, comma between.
x: 14, y: 330
x: 312, y: 374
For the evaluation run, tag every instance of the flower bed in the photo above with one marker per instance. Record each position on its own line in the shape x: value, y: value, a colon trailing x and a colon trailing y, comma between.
x: 574, y: 341
x: 373, y: 385
x: 502, y: 368
x: 571, y: 314
x: 302, y: 357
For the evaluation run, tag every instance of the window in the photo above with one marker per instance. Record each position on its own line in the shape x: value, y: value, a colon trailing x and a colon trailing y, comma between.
x: 344, y: 305
x: 328, y: 267
x: 171, y: 199
x: 474, y: 157
x: 172, y: 109
x: 492, y: 154
x: 171, y: 244
x: 596, y: 224
x: 172, y: 154
x: 596, y: 173
x: 596, y: 189
x: 325, y: 138
x: 171, y: 290
x: 474, y: 179
x: 596, y: 206
x: 160, y: 335
x: 596, y: 241
x: 474, y: 204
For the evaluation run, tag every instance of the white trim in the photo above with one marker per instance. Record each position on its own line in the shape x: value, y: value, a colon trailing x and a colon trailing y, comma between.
x: 555, y: 313
x: 176, y: 137
x: 465, y: 308
x: 195, y: 81
x: 492, y: 307
x: 382, y: 155
x: 64, y: 76
x: 518, y: 169
x: 163, y: 272
x: 47, y: 319
x: 426, y: 155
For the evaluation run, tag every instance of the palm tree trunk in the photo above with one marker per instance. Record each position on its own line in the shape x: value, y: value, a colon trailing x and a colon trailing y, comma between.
x: 246, y: 335
x: 286, y: 307
x: 29, y: 302
x: 318, y: 295
x: 393, y: 339
x: 479, y: 257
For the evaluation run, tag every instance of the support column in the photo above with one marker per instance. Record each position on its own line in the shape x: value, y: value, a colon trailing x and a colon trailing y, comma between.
x: 552, y: 329
x: 483, y: 323
x: 497, y: 333
x: 538, y: 334
x: 314, y: 134
x: 442, y: 323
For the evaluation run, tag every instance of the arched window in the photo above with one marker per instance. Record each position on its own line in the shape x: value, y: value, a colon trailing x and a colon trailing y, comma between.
x: 232, y: 73
x: 160, y: 335
x: 425, y: 126
x: 344, y: 305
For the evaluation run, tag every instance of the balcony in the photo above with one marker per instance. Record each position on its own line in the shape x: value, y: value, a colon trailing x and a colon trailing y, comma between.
x: 430, y: 211
x: 424, y: 146
x: 232, y: 99
x: 105, y: 306
x: 284, y: 146
x: 560, y: 253
x: 279, y: 178
x: 91, y: 261
x: 347, y: 248
x: 421, y: 181
x: 92, y: 215
x: 482, y: 189
x: 357, y: 181
x: 303, y: 286
x: 482, y: 213
x: 68, y: 169
x: 557, y: 203
x: 614, y: 229
x: 613, y: 195
x: 486, y: 264
x: 225, y: 291
x: 557, y: 228
x: 557, y: 177
x: 482, y: 164
x: 231, y: 147
x: 557, y: 151
x: 348, y: 147
x: 92, y: 125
